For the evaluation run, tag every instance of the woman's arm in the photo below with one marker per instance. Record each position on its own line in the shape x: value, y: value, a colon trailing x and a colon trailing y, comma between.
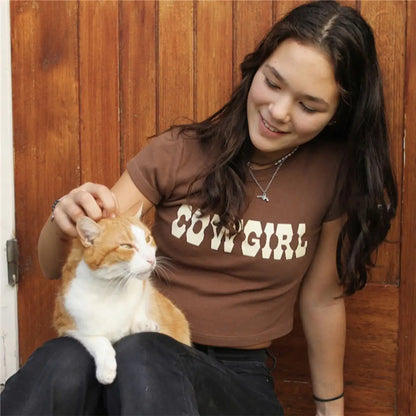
x: 94, y: 200
x: 323, y: 318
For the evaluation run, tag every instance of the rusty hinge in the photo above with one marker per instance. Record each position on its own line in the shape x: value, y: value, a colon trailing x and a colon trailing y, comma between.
x: 12, y: 250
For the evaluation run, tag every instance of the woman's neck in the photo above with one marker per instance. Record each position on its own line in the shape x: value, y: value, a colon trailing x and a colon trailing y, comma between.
x: 263, y: 160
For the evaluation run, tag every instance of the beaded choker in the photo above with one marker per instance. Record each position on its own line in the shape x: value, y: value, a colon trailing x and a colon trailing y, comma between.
x: 278, y: 165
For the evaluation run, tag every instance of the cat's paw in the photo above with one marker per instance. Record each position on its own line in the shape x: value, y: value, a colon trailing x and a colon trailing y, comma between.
x: 145, y: 325
x: 106, y: 368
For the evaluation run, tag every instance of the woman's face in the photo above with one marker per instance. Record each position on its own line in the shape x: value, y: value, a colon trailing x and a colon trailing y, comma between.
x: 292, y: 98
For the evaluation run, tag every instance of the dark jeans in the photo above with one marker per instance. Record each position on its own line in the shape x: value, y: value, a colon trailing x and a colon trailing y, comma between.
x: 155, y: 376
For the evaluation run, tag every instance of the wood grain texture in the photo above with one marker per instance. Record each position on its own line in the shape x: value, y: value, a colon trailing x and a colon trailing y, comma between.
x: 370, y: 358
x: 213, y: 56
x: 388, y: 20
x: 45, y: 120
x: 137, y: 75
x: 175, y: 62
x: 99, y: 91
x: 252, y: 20
x: 350, y: 3
x: 406, y: 375
x: 281, y: 8
x: 372, y: 334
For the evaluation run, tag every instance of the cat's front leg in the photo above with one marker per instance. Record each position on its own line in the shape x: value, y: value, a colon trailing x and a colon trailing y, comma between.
x: 103, y: 353
x: 142, y: 323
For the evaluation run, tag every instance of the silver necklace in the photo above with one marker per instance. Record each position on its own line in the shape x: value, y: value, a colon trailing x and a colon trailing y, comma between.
x: 278, y: 165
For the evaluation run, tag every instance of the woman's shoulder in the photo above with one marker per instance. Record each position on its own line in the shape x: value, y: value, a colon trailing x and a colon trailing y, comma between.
x: 176, y: 134
x: 325, y: 148
x: 178, y: 148
x: 328, y: 155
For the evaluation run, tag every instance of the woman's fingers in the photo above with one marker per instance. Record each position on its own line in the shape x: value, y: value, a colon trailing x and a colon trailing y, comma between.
x: 104, y: 198
x: 92, y: 200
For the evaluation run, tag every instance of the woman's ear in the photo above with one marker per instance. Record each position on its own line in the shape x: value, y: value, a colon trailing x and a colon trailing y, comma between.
x: 88, y: 230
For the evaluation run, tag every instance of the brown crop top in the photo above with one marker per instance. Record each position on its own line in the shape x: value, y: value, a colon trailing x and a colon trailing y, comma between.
x: 241, y: 290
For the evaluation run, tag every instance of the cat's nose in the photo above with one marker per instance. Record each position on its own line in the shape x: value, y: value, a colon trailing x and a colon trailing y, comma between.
x: 151, y: 261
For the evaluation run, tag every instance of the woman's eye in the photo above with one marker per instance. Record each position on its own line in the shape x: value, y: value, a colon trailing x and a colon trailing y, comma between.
x: 307, y: 109
x: 127, y: 246
x: 270, y: 83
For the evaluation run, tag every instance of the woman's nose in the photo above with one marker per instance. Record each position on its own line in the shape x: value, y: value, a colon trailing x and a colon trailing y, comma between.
x: 280, y: 110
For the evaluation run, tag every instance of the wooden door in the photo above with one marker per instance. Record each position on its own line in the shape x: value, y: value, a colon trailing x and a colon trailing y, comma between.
x: 93, y: 79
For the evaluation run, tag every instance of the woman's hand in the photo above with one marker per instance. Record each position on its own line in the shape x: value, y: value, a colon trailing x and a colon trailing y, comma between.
x: 90, y: 199
x: 93, y: 200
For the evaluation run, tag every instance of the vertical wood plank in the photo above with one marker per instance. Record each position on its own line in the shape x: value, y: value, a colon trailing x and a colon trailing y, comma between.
x: 406, y: 376
x: 372, y: 333
x: 175, y: 65
x: 99, y: 91
x: 45, y: 119
x: 350, y: 3
x: 137, y: 75
x: 388, y: 20
x: 252, y: 20
x: 281, y: 8
x: 213, y: 56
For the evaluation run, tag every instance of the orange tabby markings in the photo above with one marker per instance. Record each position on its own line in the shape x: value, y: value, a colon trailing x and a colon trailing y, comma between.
x: 106, y: 293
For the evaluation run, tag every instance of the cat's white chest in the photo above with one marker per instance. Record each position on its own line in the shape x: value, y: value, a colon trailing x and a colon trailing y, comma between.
x: 104, y: 308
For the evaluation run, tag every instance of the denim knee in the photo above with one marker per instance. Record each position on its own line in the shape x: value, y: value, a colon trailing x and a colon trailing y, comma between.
x: 147, y: 344
x: 70, y: 366
x: 59, y: 375
x: 150, y: 378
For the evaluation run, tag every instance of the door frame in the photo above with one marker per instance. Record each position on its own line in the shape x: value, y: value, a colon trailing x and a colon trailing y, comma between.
x: 9, y: 357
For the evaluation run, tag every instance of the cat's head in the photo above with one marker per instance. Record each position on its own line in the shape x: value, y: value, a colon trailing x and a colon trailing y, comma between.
x: 117, y: 248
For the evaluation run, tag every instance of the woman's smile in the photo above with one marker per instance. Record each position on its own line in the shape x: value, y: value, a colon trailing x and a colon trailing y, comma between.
x: 270, y: 128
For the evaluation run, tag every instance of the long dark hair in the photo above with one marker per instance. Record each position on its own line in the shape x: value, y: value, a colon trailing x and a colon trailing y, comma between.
x: 369, y: 191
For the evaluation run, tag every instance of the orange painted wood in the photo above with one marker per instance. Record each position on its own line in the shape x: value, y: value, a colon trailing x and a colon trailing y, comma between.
x: 214, y: 59
x: 406, y: 375
x: 99, y: 91
x: 370, y: 359
x: 388, y: 20
x: 175, y: 63
x: 350, y: 3
x: 137, y: 75
x: 252, y: 20
x: 281, y: 8
x: 46, y: 128
x: 372, y: 335
x: 360, y: 401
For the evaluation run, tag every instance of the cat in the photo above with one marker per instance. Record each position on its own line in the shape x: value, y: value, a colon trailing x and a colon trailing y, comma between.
x: 106, y: 291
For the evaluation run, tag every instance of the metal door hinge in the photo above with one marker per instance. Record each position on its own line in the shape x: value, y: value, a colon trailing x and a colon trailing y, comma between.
x: 12, y: 250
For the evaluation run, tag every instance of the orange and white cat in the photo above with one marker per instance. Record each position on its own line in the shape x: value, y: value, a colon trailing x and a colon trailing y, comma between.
x: 106, y: 293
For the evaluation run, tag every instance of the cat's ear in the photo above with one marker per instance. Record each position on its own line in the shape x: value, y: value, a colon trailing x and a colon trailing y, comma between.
x: 88, y: 230
x: 140, y: 211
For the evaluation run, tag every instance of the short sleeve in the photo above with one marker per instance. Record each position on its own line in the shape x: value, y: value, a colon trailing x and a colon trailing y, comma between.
x: 153, y: 169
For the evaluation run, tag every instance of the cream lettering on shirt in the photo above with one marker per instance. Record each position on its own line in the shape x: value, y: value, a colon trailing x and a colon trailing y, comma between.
x: 259, y: 239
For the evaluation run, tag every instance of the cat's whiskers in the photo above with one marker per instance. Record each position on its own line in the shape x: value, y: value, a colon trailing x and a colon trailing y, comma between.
x: 163, y: 267
x: 119, y: 283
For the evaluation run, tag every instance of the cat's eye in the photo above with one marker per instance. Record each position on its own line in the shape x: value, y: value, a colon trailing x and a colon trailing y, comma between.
x: 127, y: 246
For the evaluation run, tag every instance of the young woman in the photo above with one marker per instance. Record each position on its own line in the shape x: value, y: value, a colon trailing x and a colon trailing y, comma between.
x: 284, y: 192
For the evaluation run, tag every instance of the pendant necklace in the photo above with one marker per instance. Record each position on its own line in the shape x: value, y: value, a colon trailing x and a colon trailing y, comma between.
x: 278, y: 165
